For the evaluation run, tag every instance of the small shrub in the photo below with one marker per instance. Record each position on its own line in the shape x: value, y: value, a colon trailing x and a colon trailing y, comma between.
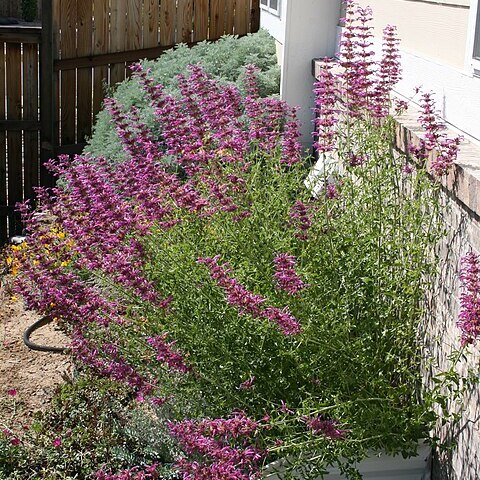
x: 224, y: 59
x: 90, y: 424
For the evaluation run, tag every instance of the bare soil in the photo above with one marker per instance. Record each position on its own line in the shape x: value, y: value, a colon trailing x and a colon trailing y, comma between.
x: 33, y: 375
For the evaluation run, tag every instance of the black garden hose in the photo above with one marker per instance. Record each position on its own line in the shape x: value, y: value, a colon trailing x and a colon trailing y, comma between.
x: 40, y: 348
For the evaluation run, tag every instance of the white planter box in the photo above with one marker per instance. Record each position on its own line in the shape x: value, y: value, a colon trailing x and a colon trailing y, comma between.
x: 376, y: 467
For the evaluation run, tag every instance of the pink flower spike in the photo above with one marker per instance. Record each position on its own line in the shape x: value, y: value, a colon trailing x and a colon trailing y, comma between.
x: 285, y: 274
x: 284, y: 408
x: 15, y: 441
x: 57, y: 442
x: 469, y: 316
x: 247, y: 384
x: 12, y: 392
x: 328, y: 428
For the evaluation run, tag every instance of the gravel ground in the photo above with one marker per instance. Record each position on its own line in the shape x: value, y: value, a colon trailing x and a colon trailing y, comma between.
x: 27, y: 378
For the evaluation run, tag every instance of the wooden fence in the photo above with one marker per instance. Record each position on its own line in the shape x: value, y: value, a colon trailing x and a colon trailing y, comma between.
x: 95, y: 42
x: 19, y: 121
x: 81, y: 46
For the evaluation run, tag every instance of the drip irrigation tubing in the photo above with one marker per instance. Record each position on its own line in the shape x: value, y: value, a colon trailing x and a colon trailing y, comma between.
x: 40, y: 348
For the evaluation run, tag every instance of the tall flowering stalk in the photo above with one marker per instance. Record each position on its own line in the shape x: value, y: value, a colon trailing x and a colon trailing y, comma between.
x: 469, y: 316
x: 389, y: 72
x: 248, y: 302
x: 356, y: 59
x: 326, y: 110
x: 446, y: 149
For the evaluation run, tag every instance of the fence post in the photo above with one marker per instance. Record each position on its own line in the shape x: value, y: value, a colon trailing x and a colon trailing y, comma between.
x: 255, y: 16
x: 47, y: 93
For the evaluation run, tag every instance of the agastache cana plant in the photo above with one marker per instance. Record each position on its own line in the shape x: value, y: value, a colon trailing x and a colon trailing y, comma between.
x: 202, y: 272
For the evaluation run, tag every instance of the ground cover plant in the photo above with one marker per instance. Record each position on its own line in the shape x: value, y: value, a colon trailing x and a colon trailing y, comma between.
x: 257, y: 316
x: 89, y: 423
x: 224, y: 59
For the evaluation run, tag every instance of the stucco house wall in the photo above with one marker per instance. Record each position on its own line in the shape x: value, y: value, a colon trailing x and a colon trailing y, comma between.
x: 304, y: 29
x: 436, y: 47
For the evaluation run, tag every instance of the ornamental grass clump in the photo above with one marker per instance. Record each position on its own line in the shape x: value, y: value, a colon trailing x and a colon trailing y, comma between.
x: 266, y: 319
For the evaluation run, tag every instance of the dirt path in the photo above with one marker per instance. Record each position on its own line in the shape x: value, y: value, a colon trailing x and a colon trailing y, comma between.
x: 32, y: 375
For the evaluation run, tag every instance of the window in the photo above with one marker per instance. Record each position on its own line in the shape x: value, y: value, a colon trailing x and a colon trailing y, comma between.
x: 272, y: 6
x: 476, y: 41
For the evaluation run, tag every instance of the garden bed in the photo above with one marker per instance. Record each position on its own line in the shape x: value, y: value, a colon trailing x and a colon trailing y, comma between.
x: 34, y: 376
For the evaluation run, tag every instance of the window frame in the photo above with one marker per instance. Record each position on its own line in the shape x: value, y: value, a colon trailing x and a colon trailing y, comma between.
x: 473, y: 50
x: 267, y: 7
x: 476, y: 37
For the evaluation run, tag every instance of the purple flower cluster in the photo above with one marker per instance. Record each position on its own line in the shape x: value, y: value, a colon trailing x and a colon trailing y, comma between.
x: 14, y: 440
x: 248, y: 302
x: 326, y: 97
x: 85, y: 260
x: 300, y: 219
x: 326, y: 427
x: 446, y: 149
x: 222, y: 444
x: 106, y: 360
x: 166, y: 354
x: 285, y: 274
x: 357, y: 59
x: 360, y: 88
x: 357, y: 86
x: 469, y: 316
x: 135, y: 473
x: 247, y: 384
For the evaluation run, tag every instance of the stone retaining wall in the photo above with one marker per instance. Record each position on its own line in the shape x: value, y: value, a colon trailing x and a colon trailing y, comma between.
x: 460, y: 197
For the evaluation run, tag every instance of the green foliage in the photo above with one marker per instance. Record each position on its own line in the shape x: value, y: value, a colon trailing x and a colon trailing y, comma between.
x: 89, y: 424
x: 29, y: 10
x: 365, y: 261
x: 224, y: 59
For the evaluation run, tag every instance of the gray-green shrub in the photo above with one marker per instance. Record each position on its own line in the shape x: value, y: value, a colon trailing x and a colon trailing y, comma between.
x: 224, y: 59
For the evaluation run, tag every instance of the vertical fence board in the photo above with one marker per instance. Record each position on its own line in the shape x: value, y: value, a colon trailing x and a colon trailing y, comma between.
x: 100, y: 45
x: 84, y: 75
x: 229, y: 16
x: 200, y: 20
x: 167, y: 22
x: 3, y: 158
x: 49, y: 87
x: 68, y: 25
x: 30, y: 112
x: 151, y: 12
x: 118, y: 26
x: 217, y: 19
x: 255, y: 16
x: 242, y: 17
x: 14, y: 138
x: 134, y: 25
x: 134, y: 35
x: 184, y: 21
